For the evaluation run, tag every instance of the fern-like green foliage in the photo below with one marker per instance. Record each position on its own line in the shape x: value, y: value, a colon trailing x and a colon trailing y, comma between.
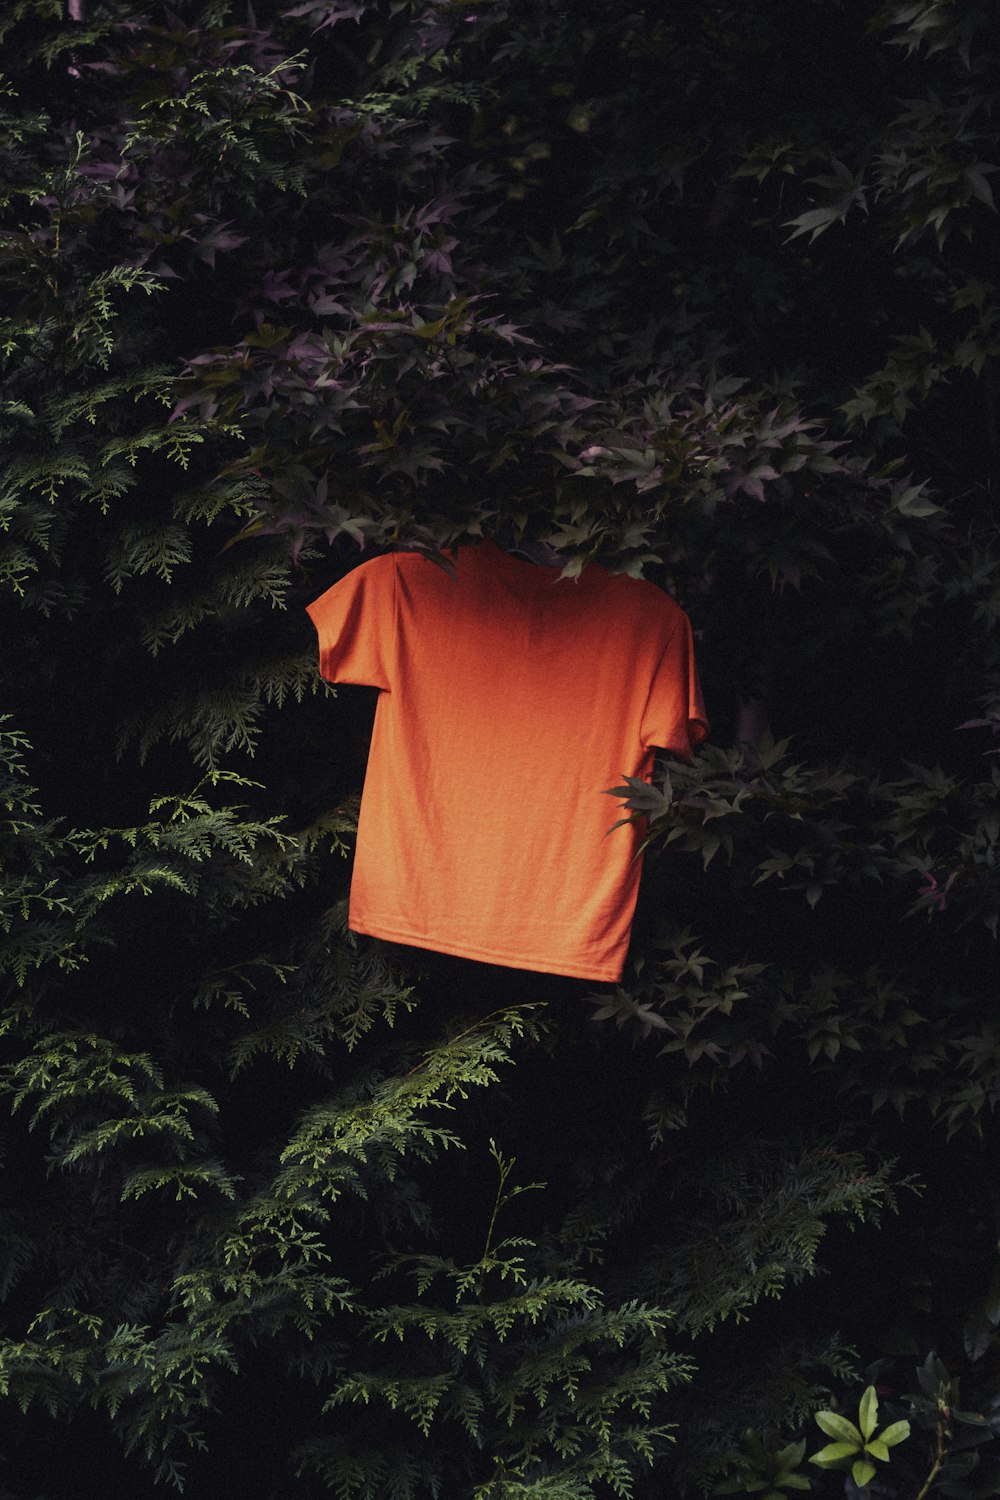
x: 555, y: 1386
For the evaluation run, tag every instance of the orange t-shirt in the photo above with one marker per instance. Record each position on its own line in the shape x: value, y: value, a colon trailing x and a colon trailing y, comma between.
x: 511, y: 700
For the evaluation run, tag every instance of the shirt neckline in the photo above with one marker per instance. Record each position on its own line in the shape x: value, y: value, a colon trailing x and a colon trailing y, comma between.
x: 520, y: 571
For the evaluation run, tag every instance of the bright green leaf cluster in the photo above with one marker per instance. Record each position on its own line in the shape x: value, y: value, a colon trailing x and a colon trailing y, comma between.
x: 854, y: 1447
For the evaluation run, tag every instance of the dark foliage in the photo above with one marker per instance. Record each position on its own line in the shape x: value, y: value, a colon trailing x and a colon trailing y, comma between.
x: 707, y: 293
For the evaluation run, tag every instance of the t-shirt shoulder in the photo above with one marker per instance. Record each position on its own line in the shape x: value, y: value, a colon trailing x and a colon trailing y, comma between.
x: 355, y: 621
x: 647, y: 594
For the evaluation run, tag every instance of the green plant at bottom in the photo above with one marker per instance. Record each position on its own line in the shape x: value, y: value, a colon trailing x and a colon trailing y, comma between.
x: 855, y: 1447
x: 767, y: 1470
x: 771, y: 1469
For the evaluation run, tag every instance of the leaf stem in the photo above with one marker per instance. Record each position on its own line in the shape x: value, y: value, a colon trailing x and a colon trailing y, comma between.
x: 505, y: 1168
x: 943, y: 1443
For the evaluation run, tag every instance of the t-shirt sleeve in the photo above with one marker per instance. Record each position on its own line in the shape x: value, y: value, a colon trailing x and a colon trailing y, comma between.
x: 356, y: 624
x: 674, y: 716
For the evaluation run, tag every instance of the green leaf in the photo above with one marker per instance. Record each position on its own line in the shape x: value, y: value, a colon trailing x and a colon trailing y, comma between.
x: 815, y: 219
x: 862, y: 1471
x: 836, y: 1426
x: 976, y: 179
x: 834, y: 1453
x: 913, y: 500
x: 970, y: 1418
x: 896, y: 1432
x: 875, y: 1448
x: 868, y: 1412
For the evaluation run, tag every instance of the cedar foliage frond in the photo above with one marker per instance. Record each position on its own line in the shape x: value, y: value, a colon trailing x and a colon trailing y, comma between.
x: 753, y: 1220
x: 215, y: 722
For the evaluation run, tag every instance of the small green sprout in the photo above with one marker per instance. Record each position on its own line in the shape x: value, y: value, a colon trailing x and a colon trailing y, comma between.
x: 853, y: 1447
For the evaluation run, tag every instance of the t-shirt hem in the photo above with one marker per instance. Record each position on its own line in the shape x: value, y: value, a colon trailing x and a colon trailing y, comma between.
x: 571, y: 969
